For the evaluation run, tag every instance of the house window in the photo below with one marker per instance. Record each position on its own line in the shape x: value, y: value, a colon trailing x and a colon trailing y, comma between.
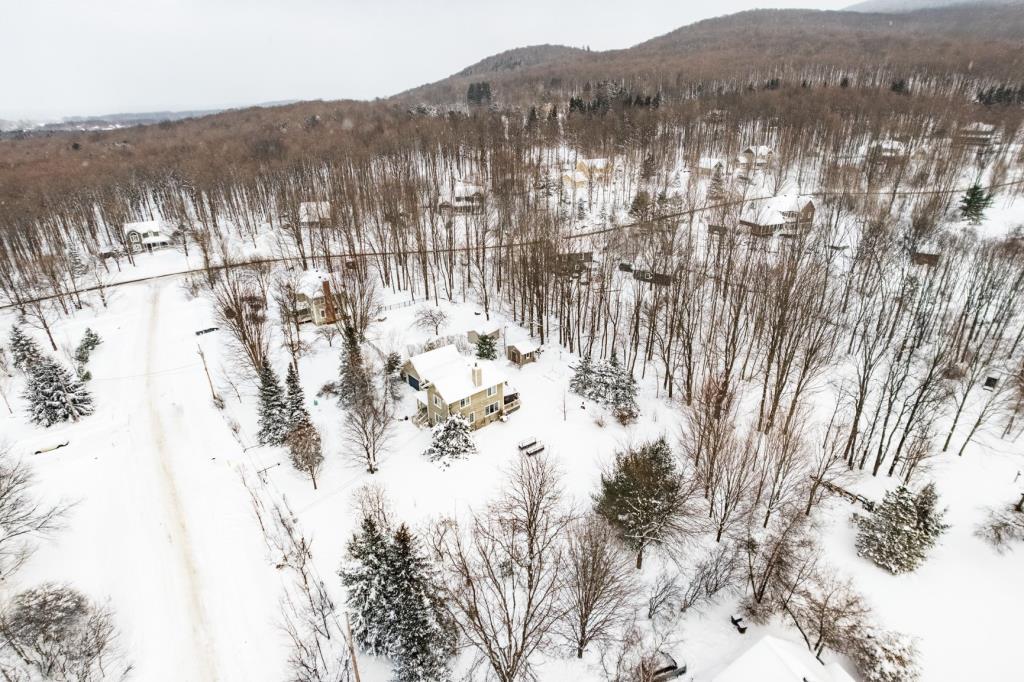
x: 437, y: 402
x: 491, y: 409
x: 472, y: 417
x: 491, y: 391
x: 464, y: 402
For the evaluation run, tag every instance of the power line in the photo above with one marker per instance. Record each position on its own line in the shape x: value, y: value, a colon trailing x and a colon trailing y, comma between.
x: 508, y: 245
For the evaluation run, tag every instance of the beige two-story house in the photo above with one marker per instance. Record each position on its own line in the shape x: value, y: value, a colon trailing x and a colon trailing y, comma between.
x: 448, y: 383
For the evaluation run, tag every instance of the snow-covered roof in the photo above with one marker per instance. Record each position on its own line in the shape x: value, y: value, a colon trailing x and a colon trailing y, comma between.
x: 311, y: 283
x: 452, y: 375
x: 888, y: 147
x: 150, y: 231
x: 979, y: 127
x: 454, y: 381
x: 595, y: 164
x: 774, y: 211
x: 772, y: 659
x: 466, y: 189
x: 525, y: 347
x: 314, y: 211
x: 485, y: 327
x: 426, y: 363
x: 761, y: 151
x: 575, y: 176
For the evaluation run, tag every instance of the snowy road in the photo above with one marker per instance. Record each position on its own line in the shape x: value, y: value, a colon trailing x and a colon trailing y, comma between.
x: 163, y: 524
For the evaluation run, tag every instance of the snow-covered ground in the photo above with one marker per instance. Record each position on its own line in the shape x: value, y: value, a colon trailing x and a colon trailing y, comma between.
x: 162, y: 524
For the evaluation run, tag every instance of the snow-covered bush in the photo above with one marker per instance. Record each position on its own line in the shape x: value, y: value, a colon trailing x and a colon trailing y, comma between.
x: 451, y: 439
x: 55, y: 395
x: 1003, y: 527
x: 608, y: 383
x: 884, y: 656
x: 902, y: 529
x: 86, y: 346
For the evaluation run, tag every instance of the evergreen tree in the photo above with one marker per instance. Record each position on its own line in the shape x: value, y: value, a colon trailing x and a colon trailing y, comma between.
x: 273, y: 409
x: 295, y: 400
x: 354, y: 381
x: 642, y: 495
x: 451, y: 439
x: 582, y: 382
x: 485, y: 348
x: 364, y: 576
x: 76, y: 263
x: 422, y: 638
x: 974, y: 204
x: 85, y: 348
x: 621, y: 395
x: 55, y: 395
x: 902, y: 529
x: 24, y: 351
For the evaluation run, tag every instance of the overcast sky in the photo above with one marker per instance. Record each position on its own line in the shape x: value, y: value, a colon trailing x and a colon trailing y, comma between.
x: 85, y: 57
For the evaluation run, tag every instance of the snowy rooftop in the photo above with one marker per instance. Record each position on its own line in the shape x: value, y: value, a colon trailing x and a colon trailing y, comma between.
x: 144, y: 226
x: 454, y: 381
x: 772, y: 659
x: 485, y: 327
x: 311, y: 283
x: 525, y: 347
x: 773, y: 211
x: 426, y: 363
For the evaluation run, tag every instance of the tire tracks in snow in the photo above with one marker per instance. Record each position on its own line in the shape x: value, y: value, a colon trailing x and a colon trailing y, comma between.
x: 174, y: 514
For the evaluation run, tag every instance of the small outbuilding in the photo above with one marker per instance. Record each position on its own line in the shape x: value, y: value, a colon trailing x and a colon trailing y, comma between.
x: 523, y: 352
x: 487, y: 328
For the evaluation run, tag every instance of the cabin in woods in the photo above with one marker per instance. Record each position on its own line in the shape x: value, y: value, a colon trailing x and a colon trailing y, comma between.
x: 523, y: 352
x: 755, y: 158
x: 787, y: 213
x: 465, y: 197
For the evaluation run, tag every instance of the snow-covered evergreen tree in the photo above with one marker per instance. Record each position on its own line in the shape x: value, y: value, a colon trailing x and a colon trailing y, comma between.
x: 364, y: 576
x: 451, y: 439
x: 55, y: 395
x: 582, y: 382
x: 354, y: 379
x: 621, y: 393
x: 974, y: 203
x: 76, y: 262
x: 422, y: 639
x: 485, y: 348
x: 24, y: 350
x: 86, y: 346
x: 273, y: 410
x: 902, y: 529
x: 295, y: 400
x: 885, y: 656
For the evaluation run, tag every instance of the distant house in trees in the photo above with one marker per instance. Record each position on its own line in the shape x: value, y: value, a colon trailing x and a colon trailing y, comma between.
x: 710, y: 166
x: 523, y: 352
x: 147, y: 235
x: 977, y: 135
x: 787, y: 213
x: 598, y: 170
x: 484, y: 328
x: 465, y: 197
x: 316, y: 301
x: 754, y: 158
x: 575, y: 180
x: 779, y: 660
x: 313, y: 214
x: 886, y: 151
x: 447, y: 383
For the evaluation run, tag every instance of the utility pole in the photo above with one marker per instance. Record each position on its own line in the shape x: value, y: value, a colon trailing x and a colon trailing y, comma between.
x: 213, y: 394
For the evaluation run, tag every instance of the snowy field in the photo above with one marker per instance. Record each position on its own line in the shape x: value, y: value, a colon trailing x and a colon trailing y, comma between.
x: 163, y: 527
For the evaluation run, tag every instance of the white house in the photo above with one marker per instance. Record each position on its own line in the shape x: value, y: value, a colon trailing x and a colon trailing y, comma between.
x: 465, y: 196
x: 146, y: 234
x: 772, y: 659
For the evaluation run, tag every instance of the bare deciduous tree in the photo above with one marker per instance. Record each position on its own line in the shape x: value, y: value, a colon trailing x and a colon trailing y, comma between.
x: 431, y: 318
x: 598, y: 584
x: 503, y: 571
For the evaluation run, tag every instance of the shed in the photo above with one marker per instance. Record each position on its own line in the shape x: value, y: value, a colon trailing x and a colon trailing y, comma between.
x: 488, y: 328
x: 523, y: 352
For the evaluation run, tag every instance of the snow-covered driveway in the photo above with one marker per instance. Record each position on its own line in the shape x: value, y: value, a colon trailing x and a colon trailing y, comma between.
x: 163, y: 524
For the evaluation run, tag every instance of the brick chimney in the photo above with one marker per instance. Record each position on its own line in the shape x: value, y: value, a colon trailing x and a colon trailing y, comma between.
x: 478, y: 375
